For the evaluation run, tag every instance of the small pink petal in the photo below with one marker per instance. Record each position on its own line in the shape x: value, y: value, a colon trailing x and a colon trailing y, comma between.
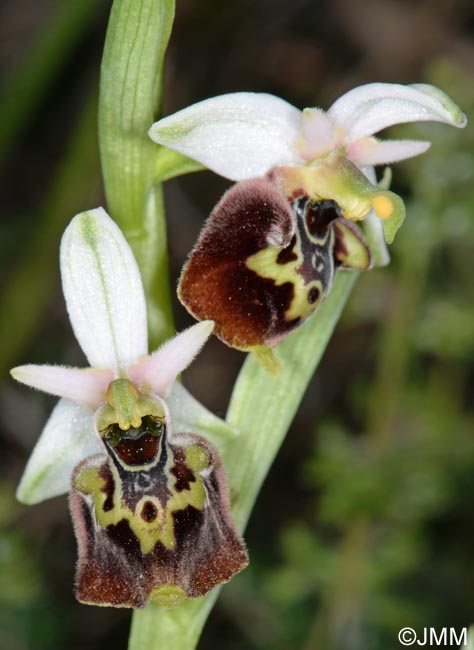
x: 319, y: 135
x: 369, y: 151
x: 158, y: 371
x: 86, y: 386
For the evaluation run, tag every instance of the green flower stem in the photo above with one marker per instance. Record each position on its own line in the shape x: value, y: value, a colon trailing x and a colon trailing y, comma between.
x: 130, y: 94
x: 261, y: 409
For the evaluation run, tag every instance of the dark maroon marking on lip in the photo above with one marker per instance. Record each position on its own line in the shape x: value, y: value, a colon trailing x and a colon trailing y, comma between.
x: 137, y: 446
x: 287, y: 254
x: 320, y: 215
x: 186, y: 524
x: 184, y: 476
x: 313, y: 295
x: 149, y: 511
x: 122, y: 535
x: 138, y: 451
x: 108, y: 487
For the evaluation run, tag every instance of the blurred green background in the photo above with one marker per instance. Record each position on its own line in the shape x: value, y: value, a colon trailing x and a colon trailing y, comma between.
x: 365, y: 524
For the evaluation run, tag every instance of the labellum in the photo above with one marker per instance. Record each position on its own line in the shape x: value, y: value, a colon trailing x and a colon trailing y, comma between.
x: 152, y: 517
x: 266, y: 259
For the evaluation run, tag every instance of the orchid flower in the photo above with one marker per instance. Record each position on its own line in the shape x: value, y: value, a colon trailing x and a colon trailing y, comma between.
x: 266, y: 257
x: 246, y: 135
x: 110, y: 441
x: 106, y: 305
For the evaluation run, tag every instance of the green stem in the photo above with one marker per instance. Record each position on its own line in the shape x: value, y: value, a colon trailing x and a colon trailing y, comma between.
x: 261, y: 409
x: 130, y: 94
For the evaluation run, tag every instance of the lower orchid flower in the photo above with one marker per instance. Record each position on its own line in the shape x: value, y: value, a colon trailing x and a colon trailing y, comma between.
x: 150, y: 507
x: 267, y: 255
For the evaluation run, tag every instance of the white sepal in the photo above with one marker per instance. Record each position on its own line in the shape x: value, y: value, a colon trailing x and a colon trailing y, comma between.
x: 370, y: 108
x: 67, y: 438
x: 103, y: 291
x: 239, y: 135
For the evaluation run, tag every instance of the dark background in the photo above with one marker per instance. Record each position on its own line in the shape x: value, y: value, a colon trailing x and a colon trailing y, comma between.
x: 365, y: 524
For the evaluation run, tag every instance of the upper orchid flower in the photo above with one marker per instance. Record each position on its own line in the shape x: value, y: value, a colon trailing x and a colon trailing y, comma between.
x: 150, y: 507
x: 245, y: 135
x: 268, y: 253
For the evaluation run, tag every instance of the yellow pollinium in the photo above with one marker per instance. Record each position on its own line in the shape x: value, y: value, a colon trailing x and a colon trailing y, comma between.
x: 383, y: 206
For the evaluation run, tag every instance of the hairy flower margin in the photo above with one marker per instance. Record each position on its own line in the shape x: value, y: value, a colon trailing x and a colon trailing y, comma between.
x: 246, y: 135
x: 267, y: 256
x: 106, y: 305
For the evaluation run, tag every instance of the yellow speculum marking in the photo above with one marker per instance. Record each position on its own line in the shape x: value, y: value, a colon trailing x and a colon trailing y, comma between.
x: 161, y: 529
x: 264, y: 263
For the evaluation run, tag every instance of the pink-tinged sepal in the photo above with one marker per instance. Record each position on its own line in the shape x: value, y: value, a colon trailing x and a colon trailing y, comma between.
x: 152, y: 522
